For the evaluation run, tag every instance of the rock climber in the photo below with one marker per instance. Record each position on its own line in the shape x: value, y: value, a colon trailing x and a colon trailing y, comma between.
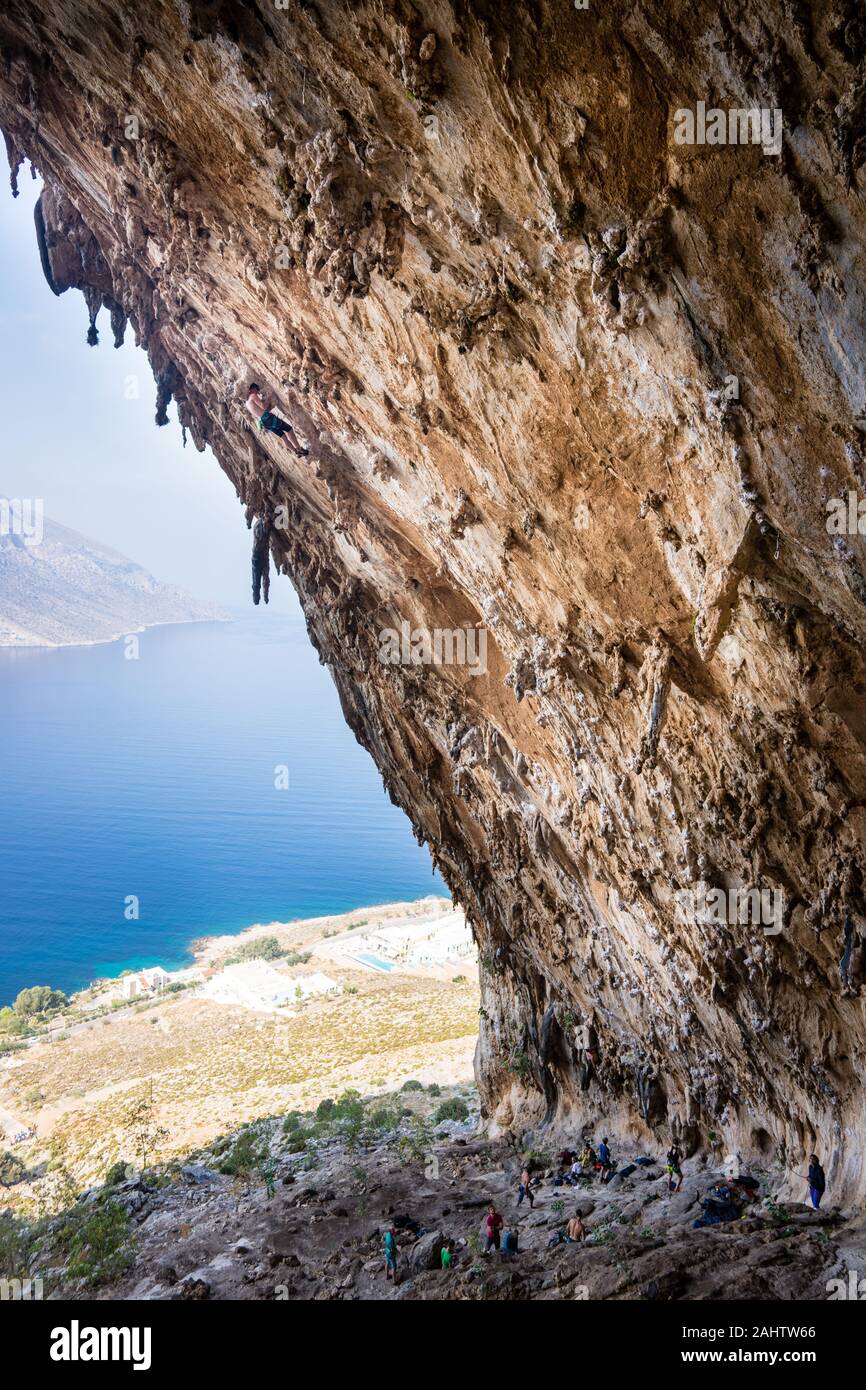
x: 525, y: 1189
x: 493, y: 1224
x: 260, y: 405
x: 390, y: 1256
x: 817, y: 1181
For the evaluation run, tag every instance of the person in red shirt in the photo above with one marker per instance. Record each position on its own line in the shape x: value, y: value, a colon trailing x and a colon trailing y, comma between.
x: 493, y: 1226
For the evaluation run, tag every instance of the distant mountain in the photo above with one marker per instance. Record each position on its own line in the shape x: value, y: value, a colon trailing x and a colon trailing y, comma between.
x: 67, y: 590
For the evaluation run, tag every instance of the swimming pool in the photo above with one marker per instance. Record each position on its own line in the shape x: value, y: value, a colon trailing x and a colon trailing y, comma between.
x: 375, y: 963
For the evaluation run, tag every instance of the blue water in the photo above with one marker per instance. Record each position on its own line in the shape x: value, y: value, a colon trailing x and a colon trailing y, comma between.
x: 155, y: 778
x: 373, y: 961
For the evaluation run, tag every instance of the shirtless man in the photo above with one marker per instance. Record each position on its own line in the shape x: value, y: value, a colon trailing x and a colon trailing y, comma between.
x: 526, y: 1189
x: 260, y: 405
x: 575, y: 1230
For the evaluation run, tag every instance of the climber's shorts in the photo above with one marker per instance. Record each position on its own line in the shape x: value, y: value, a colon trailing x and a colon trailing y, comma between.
x: 273, y: 423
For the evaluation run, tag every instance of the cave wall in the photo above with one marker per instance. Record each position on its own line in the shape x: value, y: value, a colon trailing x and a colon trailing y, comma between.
x: 568, y: 384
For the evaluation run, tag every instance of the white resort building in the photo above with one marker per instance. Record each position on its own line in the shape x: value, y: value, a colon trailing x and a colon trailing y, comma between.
x: 144, y: 982
x: 257, y: 985
x: 439, y: 940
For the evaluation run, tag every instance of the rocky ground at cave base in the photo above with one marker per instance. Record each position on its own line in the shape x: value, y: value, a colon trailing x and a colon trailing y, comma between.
x: 315, y: 1232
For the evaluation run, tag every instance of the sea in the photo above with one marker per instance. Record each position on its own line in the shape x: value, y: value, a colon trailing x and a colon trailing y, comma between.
x: 199, y: 785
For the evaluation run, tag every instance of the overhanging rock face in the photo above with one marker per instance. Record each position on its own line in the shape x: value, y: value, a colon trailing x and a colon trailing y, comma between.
x: 578, y: 396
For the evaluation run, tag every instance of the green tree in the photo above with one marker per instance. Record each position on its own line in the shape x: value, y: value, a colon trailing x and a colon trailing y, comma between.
x: 453, y: 1109
x: 15, y: 1238
x: 115, y: 1174
x: 39, y: 999
x: 383, y: 1117
x: 12, y: 1170
x: 145, y: 1131
x: 349, y: 1106
x: 100, y: 1248
x: 418, y: 1143
x: 262, y: 948
x: 245, y: 1156
x: 11, y: 1022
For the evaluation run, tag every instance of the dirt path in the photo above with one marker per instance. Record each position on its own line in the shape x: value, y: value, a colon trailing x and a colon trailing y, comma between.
x: 9, y: 1123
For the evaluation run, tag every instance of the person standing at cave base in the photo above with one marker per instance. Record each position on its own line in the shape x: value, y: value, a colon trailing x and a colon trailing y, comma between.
x: 675, y: 1172
x: 604, y: 1161
x: 390, y: 1256
x: 260, y: 405
x: 817, y: 1181
x: 493, y: 1224
x: 525, y: 1189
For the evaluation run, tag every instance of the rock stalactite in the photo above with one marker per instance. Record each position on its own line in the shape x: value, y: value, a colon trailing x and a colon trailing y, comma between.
x: 568, y: 383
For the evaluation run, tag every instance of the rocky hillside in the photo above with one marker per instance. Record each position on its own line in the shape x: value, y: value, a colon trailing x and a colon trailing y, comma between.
x: 296, y: 1208
x: 58, y: 588
x: 576, y: 374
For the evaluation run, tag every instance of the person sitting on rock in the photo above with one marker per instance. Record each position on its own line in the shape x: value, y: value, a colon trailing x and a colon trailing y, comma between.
x: 260, y: 405
x: 587, y: 1160
x: 575, y: 1231
x: 510, y: 1243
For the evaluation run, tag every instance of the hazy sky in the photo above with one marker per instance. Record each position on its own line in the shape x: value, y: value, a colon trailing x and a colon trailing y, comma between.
x: 71, y: 437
